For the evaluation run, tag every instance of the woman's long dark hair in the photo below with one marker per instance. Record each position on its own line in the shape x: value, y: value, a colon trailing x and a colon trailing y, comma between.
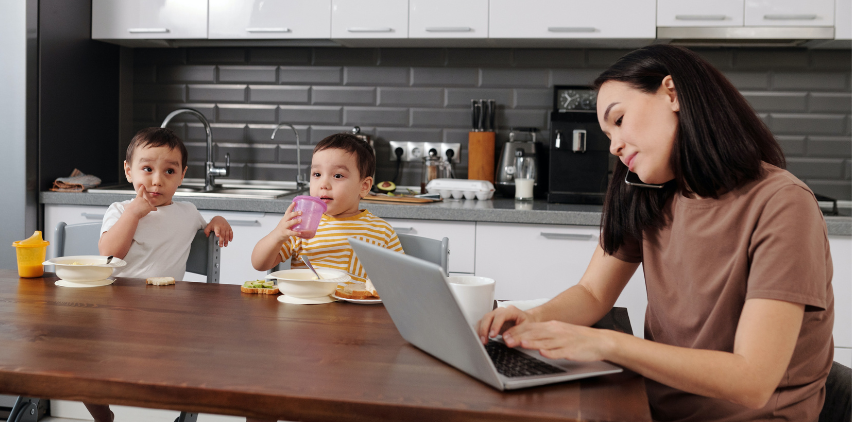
x: 719, y: 144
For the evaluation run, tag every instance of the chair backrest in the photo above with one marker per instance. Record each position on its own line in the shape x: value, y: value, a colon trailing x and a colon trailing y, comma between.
x: 77, y: 239
x: 205, y: 256
x: 432, y: 250
x: 838, y: 395
x: 82, y: 239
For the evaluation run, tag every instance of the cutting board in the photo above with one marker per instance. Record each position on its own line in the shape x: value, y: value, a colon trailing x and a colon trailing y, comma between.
x: 399, y: 199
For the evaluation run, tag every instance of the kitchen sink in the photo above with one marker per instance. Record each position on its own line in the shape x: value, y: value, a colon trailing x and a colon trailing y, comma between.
x: 245, y: 189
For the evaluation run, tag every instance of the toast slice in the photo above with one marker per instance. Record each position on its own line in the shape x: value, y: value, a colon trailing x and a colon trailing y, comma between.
x: 160, y: 281
x: 356, y: 290
x: 264, y: 287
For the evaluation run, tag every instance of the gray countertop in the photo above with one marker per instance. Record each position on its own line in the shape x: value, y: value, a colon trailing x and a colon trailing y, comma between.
x: 498, y: 210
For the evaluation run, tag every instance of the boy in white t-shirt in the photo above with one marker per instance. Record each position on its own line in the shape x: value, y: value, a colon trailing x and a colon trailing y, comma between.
x: 151, y: 232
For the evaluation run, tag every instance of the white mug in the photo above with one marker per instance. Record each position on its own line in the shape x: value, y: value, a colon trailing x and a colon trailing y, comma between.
x: 474, y: 295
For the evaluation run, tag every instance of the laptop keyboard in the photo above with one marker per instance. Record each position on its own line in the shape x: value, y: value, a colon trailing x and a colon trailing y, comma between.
x: 512, y: 363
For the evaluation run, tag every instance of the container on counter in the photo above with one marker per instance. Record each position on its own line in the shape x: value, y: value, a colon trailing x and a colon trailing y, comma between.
x: 461, y: 188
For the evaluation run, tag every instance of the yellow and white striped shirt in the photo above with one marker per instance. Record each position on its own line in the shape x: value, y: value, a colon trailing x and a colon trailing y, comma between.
x: 329, y: 249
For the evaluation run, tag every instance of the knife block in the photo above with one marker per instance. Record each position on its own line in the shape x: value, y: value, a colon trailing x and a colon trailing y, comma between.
x: 480, y: 156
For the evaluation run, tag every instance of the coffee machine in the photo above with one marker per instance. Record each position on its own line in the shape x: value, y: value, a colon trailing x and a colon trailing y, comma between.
x: 580, y: 162
x: 504, y: 180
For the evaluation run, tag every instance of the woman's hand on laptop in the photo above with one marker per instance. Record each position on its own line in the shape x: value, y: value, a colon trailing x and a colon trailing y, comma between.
x: 501, y: 319
x: 561, y: 340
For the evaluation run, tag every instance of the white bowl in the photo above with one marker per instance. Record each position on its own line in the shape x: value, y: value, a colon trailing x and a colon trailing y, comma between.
x: 84, y: 267
x: 301, y: 283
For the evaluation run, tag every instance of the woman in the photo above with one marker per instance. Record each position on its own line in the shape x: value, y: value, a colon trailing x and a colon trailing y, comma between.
x: 734, y: 249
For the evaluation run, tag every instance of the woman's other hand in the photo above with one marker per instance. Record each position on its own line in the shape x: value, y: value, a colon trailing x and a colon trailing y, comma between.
x: 560, y: 340
x: 500, y: 320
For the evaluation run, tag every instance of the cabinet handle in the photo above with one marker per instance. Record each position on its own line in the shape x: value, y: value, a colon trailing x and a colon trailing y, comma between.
x: 789, y: 17
x: 449, y: 29
x: 266, y: 30
x: 148, y: 30
x: 403, y: 230
x: 567, y: 236
x: 89, y: 216
x: 571, y: 29
x: 247, y: 223
x: 700, y: 17
x: 360, y: 29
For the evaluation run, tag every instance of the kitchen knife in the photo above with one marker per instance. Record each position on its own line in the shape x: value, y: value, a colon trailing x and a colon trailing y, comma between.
x: 481, y: 121
x: 492, y: 113
x: 477, y: 116
x: 473, y: 115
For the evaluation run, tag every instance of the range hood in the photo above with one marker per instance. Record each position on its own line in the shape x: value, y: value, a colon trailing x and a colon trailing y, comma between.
x: 743, y: 36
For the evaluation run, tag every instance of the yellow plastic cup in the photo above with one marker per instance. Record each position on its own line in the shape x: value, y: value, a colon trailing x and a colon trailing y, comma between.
x: 31, y: 253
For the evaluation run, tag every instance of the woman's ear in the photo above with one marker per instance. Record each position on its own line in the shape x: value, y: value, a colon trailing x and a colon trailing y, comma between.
x: 668, y: 88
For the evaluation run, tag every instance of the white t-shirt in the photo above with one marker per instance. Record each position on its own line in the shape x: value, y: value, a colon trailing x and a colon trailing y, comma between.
x: 161, y: 243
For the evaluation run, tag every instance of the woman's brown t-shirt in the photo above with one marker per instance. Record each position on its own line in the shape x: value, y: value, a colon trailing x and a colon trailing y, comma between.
x: 766, y: 240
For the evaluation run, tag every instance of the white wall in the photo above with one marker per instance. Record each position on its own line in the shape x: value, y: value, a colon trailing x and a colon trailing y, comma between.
x: 13, y: 39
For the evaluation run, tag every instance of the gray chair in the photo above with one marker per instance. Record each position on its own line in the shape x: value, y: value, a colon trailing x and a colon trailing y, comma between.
x: 82, y: 239
x: 838, y: 395
x: 432, y: 250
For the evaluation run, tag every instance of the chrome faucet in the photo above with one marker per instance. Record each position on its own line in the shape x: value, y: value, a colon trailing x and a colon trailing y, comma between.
x: 299, y: 182
x: 210, y: 169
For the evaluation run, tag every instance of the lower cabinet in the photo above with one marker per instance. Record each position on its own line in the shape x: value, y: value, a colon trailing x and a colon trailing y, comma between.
x: 532, y: 261
x: 248, y: 228
x: 461, y: 234
x: 69, y: 214
x: 841, y: 250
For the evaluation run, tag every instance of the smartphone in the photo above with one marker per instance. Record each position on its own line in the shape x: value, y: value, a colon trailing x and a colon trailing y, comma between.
x: 632, y: 179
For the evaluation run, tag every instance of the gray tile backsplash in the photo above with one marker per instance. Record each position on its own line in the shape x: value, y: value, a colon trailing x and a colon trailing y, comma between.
x: 408, y: 94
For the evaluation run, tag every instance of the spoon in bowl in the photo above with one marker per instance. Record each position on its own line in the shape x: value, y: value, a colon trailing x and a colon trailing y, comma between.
x: 108, y: 260
x: 308, y: 263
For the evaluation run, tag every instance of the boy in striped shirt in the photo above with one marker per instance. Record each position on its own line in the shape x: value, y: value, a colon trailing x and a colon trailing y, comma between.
x: 342, y: 171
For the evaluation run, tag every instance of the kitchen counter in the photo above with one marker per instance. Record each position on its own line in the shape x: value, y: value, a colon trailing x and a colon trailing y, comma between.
x: 498, y: 210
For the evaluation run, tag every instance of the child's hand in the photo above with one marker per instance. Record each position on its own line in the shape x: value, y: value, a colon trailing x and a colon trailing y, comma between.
x: 141, y: 205
x: 289, y: 220
x: 220, y: 227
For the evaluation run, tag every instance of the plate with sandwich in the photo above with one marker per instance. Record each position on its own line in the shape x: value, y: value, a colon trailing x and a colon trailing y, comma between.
x: 357, y: 292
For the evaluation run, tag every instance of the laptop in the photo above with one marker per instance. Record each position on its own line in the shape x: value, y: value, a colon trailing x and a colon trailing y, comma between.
x: 424, y: 310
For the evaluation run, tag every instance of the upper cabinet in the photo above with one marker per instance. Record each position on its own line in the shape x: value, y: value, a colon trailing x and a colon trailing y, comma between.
x: 843, y: 19
x: 572, y: 19
x: 789, y: 13
x: 270, y: 19
x: 369, y: 19
x: 149, y: 19
x: 699, y: 13
x: 448, y: 19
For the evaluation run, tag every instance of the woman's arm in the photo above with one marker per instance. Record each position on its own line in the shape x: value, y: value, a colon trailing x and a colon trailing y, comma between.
x: 589, y: 300
x: 582, y: 304
x: 763, y: 346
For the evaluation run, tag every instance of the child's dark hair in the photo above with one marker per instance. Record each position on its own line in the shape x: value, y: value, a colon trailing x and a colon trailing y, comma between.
x: 346, y: 141
x: 153, y: 137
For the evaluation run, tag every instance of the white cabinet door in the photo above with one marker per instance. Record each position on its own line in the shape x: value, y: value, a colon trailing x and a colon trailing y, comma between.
x: 461, y: 234
x: 369, y: 19
x: 270, y: 19
x: 572, y: 19
x: 789, y: 13
x: 69, y: 214
x: 448, y: 19
x: 843, y: 19
x: 841, y: 250
x: 699, y: 13
x: 149, y: 19
x: 248, y: 228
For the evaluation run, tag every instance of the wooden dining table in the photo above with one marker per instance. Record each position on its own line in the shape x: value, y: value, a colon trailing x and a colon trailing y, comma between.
x: 209, y: 348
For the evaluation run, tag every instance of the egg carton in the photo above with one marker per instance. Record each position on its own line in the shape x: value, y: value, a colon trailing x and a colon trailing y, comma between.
x: 461, y: 188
